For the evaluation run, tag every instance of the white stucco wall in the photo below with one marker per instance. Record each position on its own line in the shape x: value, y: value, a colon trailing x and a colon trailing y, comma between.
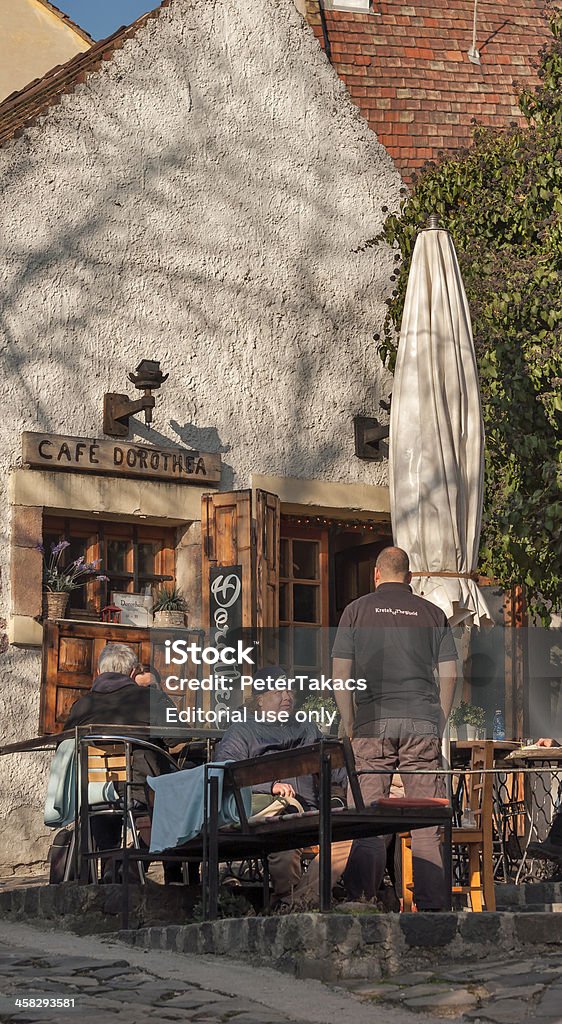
x: 198, y: 200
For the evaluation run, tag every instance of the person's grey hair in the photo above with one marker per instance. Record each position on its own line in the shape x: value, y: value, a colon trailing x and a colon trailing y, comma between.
x: 117, y: 658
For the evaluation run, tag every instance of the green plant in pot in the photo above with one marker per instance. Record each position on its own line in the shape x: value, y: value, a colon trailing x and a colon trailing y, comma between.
x: 169, y: 607
x: 317, y: 703
x: 469, y: 720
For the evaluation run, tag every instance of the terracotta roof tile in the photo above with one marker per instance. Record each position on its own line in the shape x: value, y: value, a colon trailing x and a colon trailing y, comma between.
x: 418, y: 65
x: 21, y: 109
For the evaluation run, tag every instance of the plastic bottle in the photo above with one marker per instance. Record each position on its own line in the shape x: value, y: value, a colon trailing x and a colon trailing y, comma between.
x: 499, y: 727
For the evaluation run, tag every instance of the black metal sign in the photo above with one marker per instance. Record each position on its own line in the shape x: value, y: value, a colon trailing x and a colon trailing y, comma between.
x: 225, y: 606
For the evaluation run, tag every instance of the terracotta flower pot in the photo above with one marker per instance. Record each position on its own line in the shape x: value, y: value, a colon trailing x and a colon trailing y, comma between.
x: 55, y: 603
x: 169, y: 618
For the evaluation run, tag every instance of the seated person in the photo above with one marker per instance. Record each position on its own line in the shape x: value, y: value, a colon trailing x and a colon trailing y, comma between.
x: 253, y: 738
x: 116, y: 699
x: 551, y: 846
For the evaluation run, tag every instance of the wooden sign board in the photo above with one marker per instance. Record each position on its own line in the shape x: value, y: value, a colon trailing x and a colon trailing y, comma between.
x: 116, y: 458
x: 136, y: 609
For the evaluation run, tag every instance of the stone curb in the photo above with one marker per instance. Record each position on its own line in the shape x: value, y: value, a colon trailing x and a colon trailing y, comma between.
x: 343, y: 946
x: 327, y: 947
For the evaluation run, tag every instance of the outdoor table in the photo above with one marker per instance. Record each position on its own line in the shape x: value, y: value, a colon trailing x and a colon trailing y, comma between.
x: 461, y: 750
x: 51, y: 740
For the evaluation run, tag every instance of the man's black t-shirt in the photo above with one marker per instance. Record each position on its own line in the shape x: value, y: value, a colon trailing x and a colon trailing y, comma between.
x: 396, y: 640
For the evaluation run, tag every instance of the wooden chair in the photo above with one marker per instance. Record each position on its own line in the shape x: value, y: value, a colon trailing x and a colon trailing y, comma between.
x: 478, y: 840
x: 108, y: 764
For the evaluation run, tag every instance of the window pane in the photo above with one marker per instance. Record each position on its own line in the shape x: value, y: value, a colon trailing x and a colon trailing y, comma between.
x: 117, y: 551
x: 121, y: 586
x: 306, y: 648
x: 305, y: 602
x: 284, y: 602
x: 147, y: 554
x: 285, y: 648
x: 77, y: 549
x: 305, y: 560
x: 284, y: 567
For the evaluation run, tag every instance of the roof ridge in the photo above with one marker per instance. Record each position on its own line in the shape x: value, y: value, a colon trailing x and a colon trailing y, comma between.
x: 68, y: 20
x: 20, y: 109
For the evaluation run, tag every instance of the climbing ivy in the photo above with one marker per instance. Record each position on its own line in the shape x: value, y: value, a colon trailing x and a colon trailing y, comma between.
x: 501, y: 200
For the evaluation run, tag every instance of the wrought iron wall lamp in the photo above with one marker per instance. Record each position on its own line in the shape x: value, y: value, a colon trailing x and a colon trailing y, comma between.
x: 370, y: 436
x: 118, y: 409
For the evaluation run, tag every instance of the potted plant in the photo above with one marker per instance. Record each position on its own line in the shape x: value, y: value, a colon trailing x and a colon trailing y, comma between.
x: 319, y: 704
x: 169, y: 607
x: 59, y: 580
x: 468, y: 720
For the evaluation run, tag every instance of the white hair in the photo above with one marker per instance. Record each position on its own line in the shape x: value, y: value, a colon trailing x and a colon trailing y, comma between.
x: 117, y: 658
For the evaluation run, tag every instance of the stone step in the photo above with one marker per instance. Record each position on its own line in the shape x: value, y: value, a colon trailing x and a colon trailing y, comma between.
x: 533, y: 908
x: 517, y: 897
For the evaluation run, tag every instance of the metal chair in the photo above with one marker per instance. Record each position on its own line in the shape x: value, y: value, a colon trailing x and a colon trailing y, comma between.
x: 104, y: 759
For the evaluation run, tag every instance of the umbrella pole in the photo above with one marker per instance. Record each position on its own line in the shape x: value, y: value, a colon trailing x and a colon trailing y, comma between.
x: 448, y: 830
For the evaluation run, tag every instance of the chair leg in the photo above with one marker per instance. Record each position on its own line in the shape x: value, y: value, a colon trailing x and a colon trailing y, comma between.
x: 475, y: 878
x: 407, y: 874
x: 136, y: 844
x: 488, y: 878
x: 265, y: 882
x: 93, y: 861
x: 69, y: 866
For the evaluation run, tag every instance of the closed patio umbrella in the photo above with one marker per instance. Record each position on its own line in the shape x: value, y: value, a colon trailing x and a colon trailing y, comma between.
x: 437, y: 434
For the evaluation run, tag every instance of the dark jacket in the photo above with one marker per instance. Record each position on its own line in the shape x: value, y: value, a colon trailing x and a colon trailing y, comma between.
x: 252, y: 739
x: 116, y: 699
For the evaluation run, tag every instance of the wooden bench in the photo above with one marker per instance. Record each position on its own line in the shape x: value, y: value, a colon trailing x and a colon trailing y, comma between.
x: 292, y: 831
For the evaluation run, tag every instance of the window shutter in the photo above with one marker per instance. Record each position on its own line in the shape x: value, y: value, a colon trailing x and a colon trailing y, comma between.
x: 239, y: 528
x: 268, y: 520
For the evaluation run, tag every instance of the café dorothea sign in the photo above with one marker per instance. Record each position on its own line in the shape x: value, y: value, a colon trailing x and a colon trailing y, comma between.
x: 115, y: 458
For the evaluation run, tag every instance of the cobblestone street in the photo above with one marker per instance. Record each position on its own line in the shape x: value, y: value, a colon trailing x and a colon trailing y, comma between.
x: 101, y: 978
x: 500, y: 992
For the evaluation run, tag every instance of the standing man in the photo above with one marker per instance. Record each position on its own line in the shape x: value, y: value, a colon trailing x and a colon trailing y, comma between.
x: 402, y: 646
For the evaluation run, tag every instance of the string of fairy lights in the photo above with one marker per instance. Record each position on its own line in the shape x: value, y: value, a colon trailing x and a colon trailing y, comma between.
x: 319, y: 522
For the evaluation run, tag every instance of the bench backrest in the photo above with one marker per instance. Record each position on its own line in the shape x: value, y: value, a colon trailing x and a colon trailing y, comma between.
x: 287, y: 764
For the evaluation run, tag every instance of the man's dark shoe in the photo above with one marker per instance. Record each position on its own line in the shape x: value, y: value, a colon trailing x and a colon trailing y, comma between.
x: 547, y: 850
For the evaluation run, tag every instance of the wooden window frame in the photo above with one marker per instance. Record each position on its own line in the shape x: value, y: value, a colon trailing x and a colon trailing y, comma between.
x: 291, y: 533
x: 98, y: 532
x: 321, y: 536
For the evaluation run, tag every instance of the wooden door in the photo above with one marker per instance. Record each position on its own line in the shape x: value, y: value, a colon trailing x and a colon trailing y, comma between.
x: 70, y: 656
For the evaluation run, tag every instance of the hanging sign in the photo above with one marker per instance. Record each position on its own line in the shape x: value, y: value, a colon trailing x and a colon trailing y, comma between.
x: 116, y: 458
x: 225, y: 604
